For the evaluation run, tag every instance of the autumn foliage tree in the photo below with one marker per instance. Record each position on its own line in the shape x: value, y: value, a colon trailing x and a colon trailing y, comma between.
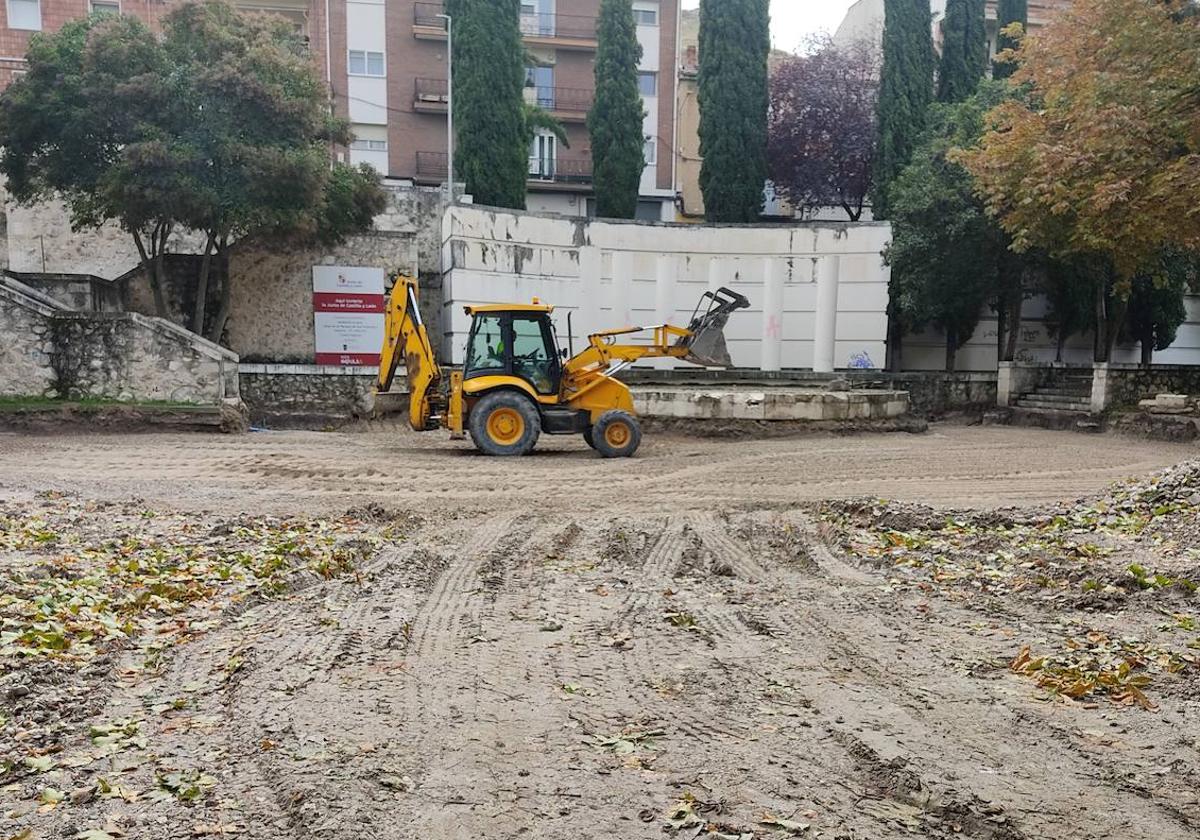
x: 1103, y: 161
x: 821, y: 128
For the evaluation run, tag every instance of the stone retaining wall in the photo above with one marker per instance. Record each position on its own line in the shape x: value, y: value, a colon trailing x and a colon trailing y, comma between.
x: 27, y: 344
x: 1128, y: 384
x: 56, y: 352
x: 306, y: 395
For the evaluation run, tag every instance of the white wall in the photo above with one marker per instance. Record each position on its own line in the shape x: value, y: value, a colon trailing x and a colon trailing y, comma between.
x: 927, y: 351
x: 365, y: 30
x: 611, y: 274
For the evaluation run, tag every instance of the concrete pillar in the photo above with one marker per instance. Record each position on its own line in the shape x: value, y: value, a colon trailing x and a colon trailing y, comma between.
x: 825, y: 330
x: 664, y: 298
x: 772, y: 315
x: 718, y: 274
x: 622, y: 290
x: 587, y: 316
x: 1100, y: 388
x: 1006, y: 394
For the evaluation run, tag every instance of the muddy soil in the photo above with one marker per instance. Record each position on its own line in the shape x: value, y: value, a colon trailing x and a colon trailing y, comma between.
x: 684, y: 645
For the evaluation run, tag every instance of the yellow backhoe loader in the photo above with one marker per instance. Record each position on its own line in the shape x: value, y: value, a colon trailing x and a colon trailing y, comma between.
x: 516, y: 383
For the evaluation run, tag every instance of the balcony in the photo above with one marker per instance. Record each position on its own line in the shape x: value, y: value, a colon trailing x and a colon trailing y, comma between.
x: 561, y: 173
x: 565, y: 174
x: 431, y: 96
x: 568, y: 105
x: 564, y: 32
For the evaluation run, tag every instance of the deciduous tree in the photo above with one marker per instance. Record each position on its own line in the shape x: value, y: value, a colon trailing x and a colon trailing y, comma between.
x: 616, y: 120
x: 947, y: 256
x: 220, y: 126
x: 821, y: 130
x: 1103, y: 160
x: 734, y: 44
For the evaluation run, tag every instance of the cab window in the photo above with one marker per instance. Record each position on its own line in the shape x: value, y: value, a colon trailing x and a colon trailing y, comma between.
x: 534, y: 358
x: 485, y: 352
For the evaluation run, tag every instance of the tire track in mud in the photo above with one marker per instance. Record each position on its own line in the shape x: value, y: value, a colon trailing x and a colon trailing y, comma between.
x: 835, y: 630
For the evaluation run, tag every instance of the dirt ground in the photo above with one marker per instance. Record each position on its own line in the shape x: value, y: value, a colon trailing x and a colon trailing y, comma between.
x: 381, y: 635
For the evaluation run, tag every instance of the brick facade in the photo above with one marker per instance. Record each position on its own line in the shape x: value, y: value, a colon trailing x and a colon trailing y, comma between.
x: 415, y: 55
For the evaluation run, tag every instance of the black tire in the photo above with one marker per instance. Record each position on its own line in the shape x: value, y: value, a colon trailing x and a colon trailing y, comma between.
x: 588, y: 438
x: 505, y: 423
x: 616, y: 434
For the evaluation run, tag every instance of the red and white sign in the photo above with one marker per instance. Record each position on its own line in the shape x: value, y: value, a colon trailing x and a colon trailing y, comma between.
x: 348, y: 313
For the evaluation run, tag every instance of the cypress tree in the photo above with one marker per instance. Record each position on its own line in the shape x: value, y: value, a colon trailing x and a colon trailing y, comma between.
x: 964, y: 50
x: 905, y: 92
x: 734, y: 43
x: 491, y: 150
x: 1008, y: 12
x: 616, y: 120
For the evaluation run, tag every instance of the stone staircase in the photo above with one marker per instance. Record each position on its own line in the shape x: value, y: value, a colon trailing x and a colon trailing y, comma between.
x: 1068, y: 392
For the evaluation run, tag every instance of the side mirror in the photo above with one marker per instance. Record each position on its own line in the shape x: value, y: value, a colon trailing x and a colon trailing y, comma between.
x: 564, y: 353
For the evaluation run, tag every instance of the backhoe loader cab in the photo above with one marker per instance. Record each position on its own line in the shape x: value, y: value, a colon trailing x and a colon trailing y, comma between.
x: 516, y: 383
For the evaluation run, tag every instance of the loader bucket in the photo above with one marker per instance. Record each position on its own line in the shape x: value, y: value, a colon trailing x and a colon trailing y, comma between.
x: 706, y: 345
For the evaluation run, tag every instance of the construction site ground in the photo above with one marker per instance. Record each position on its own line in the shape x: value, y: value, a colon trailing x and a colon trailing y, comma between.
x: 972, y: 632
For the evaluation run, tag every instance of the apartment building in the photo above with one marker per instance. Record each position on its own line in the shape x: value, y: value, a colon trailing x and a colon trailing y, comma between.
x: 22, y: 18
x: 386, y: 66
x: 395, y: 94
x: 864, y: 20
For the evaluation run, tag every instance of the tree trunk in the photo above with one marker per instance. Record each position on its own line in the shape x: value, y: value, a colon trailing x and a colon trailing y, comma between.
x: 1016, y: 316
x: 1100, y: 344
x: 1062, y: 343
x: 150, y: 269
x: 951, y: 349
x: 1116, y: 320
x: 222, y: 316
x: 1147, y: 352
x: 202, y: 288
x: 1002, y: 327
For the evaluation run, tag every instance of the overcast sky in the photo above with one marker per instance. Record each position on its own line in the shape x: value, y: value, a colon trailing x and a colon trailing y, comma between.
x: 793, y: 20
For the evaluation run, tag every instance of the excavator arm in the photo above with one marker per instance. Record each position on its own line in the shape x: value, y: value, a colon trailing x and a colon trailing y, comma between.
x: 405, y: 339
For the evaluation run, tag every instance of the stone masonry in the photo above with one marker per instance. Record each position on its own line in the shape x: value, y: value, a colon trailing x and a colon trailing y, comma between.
x: 56, y: 352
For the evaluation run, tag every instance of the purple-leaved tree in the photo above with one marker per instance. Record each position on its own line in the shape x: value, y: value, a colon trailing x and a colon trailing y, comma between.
x: 821, y: 132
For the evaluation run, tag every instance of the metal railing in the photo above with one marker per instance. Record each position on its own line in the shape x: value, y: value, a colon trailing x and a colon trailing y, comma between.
x: 431, y: 91
x: 533, y: 25
x: 561, y: 170
x: 560, y: 98
x: 434, y: 165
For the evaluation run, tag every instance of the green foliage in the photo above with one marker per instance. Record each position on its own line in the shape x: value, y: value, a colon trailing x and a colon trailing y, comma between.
x: 491, y: 153
x: 221, y: 126
x: 734, y: 44
x: 1069, y: 287
x: 1008, y: 12
x: 615, y: 122
x: 1156, y: 307
x: 946, y: 254
x: 906, y: 90
x: 964, y: 59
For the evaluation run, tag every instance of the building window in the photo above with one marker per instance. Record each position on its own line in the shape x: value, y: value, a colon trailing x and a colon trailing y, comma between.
x: 106, y: 7
x: 646, y: 14
x: 25, y: 14
x: 650, y: 153
x: 366, y: 63
x: 648, y: 83
x: 369, y: 145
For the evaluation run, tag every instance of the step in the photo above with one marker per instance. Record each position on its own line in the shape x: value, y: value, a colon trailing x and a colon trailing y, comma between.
x: 1079, y: 393
x: 1080, y: 407
x: 1058, y: 398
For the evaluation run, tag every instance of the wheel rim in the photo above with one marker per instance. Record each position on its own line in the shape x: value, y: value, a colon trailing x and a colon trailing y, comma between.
x: 617, y: 435
x: 505, y: 426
